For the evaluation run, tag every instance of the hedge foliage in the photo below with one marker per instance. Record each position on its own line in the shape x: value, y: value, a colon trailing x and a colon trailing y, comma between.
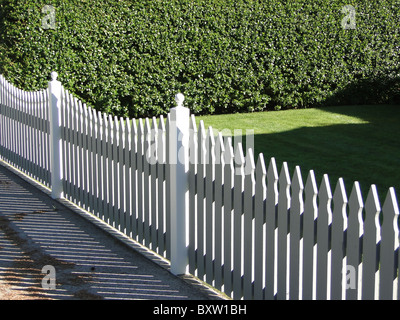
x: 131, y: 57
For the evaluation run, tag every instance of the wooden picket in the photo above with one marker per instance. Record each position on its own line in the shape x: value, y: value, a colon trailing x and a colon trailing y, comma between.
x: 309, y: 253
x: 370, y: 240
x: 254, y: 233
x: 323, y: 222
x: 296, y: 211
x: 339, y: 225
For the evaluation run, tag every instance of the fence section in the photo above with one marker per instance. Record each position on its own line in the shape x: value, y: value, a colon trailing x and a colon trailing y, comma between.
x: 25, y: 130
x: 256, y: 233
x: 116, y: 169
x: 249, y: 229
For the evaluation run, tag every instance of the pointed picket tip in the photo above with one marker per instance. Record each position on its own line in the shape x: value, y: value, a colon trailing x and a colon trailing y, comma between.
x: 122, y: 124
x: 219, y: 142
x: 356, y: 199
x: 154, y: 125
x: 219, y: 148
x: 110, y: 121
x: 147, y: 127
x: 272, y: 172
x: 193, y: 125
x: 202, y: 129
x: 228, y: 153
x: 105, y: 120
x: 134, y: 127
x: 340, y: 195
x: 128, y: 125
x: 311, y: 183
x: 239, y: 155
x: 297, y: 181
x: 390, y: 206
x: 284, y: 176
x: 116, y: 123
x: 168, y: 122
x: 372, y: 203
x: 85, y: 110
x: 161, y: 123
x: 80, y: 107
x: 261, y: 170
x: 94, y: 115
x: 140, y: 125
x: 90, y: 113
x: 325, y: 188
x: 250, y: 164
x: 210, y: 136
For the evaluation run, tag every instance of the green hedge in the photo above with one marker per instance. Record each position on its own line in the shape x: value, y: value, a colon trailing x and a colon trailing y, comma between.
x: 132, y: 57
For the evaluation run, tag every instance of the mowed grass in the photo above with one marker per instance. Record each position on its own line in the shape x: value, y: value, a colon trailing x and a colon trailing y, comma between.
x: 356, y: 143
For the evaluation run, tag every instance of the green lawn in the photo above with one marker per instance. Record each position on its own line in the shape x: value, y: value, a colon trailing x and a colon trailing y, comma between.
x: 357, y: 143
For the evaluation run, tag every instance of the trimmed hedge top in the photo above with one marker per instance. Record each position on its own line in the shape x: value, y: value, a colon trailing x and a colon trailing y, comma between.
x: 130, y: 58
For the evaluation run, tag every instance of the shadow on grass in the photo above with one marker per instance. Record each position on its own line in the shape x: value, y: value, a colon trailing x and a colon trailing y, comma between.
x: 368, y: 153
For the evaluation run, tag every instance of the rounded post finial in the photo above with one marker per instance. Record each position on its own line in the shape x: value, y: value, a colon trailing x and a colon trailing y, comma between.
x: 54, y: 75
x: 179, y: 98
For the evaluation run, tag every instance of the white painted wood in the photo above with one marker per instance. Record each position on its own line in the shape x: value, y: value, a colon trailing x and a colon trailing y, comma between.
x: 121, y: 174
x: 389, y: 243
x: 85, y: 171
x: 168, y: 191
x: 116, y: 173
x: 179, y: 160
x: 229, y: 170
x: 210, y: 206
x: 146, y: 182
x: 96, y: 169
x: 128, y: 183
x: 105, y: 158
x: 134, y: 179
x: 248, y: 225
x: 339, y: 225
x: 354, y: 232
x: 100, y: 165
x: 296, y: 211
x: 161, y: 164
x: 324, y: 221
x: 309, y: 239
x: 81, y: 161
x: 271, y: 223
x: 259, y: 227
x: 370, y: 241
x: 219, y: 211
x: 55, y: 137
x: 238, y: 222
x: 201, y: 206
x: 110, y: 172
x: 283, y: 248
x: 154, y: 184
x: 140, y: 180
x: 193, y: 160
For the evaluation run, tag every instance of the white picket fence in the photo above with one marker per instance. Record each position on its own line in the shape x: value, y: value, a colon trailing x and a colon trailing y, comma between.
x: 196, y: 199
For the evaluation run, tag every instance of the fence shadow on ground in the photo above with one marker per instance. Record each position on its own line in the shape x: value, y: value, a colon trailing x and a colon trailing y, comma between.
x: 36, y: 231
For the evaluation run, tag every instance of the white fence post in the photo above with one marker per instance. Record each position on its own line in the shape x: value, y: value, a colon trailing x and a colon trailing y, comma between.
x: 179, y: 184
x: 55, y: 136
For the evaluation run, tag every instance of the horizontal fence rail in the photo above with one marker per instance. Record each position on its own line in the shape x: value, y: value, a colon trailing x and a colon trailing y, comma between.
x: 248, y: 228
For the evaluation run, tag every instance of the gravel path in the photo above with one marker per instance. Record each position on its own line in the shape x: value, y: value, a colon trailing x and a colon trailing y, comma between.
x: 37, y: 231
